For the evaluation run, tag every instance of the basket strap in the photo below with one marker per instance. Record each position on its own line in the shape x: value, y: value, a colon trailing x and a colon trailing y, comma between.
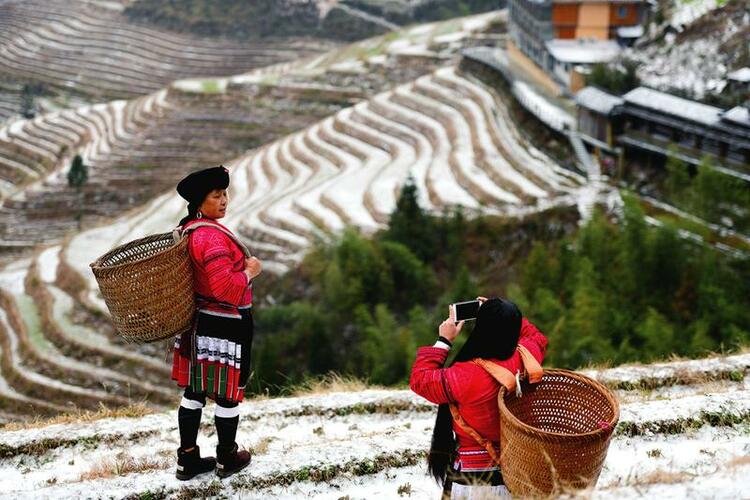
x: 486, y: 443
x: 499, y: 373
x: 179, y: 233
x: 534, y: 370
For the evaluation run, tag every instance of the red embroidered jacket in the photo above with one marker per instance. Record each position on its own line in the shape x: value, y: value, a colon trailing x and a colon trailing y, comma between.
x: 473, y: 390
x: 221, y: 285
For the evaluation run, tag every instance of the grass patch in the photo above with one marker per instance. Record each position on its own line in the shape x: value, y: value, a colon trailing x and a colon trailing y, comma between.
x: 663, y: 477
x: 159, y: 494
x: 380, y: 407
x: 681, y: 377
x: 682, y: 425
x: 739, y: 461
x: 36, y: 448
x: 326, y: 473
x: 332, y: 382
x: 404, y: 489
x: 314, y: 473
x: 214, y: 489
x: 261, y: 447
x: 211, y: 87
x: 136, y: 410
x: 124, y: 464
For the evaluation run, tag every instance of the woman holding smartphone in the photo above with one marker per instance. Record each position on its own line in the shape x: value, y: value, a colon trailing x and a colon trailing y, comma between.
x: 501, y: 336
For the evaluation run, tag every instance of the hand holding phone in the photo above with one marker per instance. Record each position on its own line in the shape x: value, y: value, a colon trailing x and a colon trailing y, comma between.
x: 463, y: 311
x: 450, y: 328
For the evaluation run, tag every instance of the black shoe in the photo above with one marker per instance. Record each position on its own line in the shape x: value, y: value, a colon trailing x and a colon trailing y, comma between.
x: 231, y: 461
x: 190, y: 464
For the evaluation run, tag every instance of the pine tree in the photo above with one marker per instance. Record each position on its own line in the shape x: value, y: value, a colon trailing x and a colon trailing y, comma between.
x: 28, y: 105
x: 538, y: 270
x: 658, y: 335
x: 78, y: 174
x: 411, y: 225
x: 589, y: 319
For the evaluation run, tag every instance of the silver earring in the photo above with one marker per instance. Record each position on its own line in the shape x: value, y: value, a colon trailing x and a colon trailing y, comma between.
x: 199, y: 215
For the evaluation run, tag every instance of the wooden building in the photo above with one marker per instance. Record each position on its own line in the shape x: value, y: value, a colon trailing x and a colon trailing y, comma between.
x: 657, y: 122
x: 597, y: 113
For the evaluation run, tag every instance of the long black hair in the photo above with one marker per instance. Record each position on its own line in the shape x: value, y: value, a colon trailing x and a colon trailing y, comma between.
x: 191, y: 215
x: 495, y: 336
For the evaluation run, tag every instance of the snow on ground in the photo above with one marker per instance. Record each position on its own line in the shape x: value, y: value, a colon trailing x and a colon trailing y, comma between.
x: 696, y: 65
x: 549, y: 113
x: 676, y: 369
x: 48, y: 261
x: 371, y: 443
x: 698, y: 61
x: 685, y: 12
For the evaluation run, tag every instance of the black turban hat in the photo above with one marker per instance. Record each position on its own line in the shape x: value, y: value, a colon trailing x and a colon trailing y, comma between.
x: 196, y: 186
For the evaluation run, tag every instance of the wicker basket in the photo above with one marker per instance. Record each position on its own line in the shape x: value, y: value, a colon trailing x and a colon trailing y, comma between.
x: 554, y: 438
x: 147, y: 285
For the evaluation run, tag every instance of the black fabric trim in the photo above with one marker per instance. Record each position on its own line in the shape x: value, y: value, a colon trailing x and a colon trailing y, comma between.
x: 477, y: 478
x: 237, y: 330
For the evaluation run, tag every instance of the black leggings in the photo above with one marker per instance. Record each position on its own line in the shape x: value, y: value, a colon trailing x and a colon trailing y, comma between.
x: 201, y: 398
x: 189, y: 420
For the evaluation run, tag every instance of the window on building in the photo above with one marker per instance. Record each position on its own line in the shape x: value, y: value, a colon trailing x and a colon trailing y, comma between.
x: 622, y: 11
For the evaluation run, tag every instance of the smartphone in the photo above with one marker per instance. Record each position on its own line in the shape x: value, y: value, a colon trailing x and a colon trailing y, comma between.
x: 465, y: 310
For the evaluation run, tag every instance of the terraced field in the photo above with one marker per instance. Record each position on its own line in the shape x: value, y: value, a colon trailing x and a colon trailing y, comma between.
x: 91, y: 48
x: 137, y: 148
x: 446, y: 131
x: 679, y: 421
x: 449, y: 133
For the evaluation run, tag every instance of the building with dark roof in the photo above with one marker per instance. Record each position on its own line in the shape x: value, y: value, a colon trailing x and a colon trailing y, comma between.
x: 657, y: 122
x: 594, y: 111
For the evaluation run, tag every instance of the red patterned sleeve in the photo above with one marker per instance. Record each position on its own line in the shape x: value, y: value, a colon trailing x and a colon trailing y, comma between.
x: 533, y: 340
x: 211, y: 250
x: 428, y: 377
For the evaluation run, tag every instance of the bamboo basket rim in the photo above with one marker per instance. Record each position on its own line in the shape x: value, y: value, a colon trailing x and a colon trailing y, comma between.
x: 97, y: 264
x: 562, y: 435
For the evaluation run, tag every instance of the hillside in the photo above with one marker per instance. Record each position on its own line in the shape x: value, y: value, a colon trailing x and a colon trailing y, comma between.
x: 692, y: 45
x: 448, y: 131
x: 330, y: 19
x: 151, y: 141
x: 91, y: 52
x: 680, y: 421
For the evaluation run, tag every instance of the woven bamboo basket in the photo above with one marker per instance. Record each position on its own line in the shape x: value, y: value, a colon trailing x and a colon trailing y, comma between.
x: 147, y: 285
x: 555, y: 437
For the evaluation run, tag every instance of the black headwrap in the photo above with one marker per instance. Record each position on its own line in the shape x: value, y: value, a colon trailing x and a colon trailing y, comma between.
x: 197, y: 185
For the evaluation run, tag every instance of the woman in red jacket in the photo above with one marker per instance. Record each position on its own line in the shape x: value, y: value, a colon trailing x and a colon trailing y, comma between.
x: 213, y: 360
x: 502, y: 336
